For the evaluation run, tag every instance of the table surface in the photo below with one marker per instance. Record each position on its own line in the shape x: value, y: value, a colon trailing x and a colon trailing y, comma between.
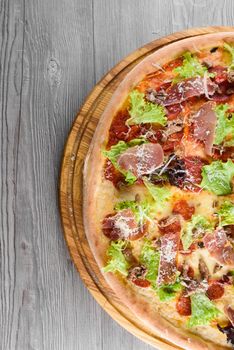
x: 52, y: 53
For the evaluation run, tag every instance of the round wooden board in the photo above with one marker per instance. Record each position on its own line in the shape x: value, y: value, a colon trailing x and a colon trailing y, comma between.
x: 71, y: 187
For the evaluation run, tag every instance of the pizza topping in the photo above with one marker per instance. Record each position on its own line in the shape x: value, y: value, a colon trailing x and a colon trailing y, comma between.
x: 116, y: 259
x: 139, y: 209
x: 176, y: 172
x: 224, y: 132
x: 203, y: 269
x: 193, y: 166
x: 141, y: 160
x: 203, y: 310
x: 187, y: 272
x: 230, y: 49
x: 183, y: 305
x: 204, y: 126
x: 150, y: 259
x: 219, y: 247
x: 191, y: 67
x: 168, y: 258
x: 229, y: 331
x: 184, y: 209
x: 226, y: 215
x: 175, y: 130
x: 142, y: 112
x: 113, y: 175
x: 169, y: 224
x: 172, y: 142
x: 220, y: 74
x: 230, y: 313
x: 122, y: 225
x: 195, y: 230
x: 114, y: 153
x: 193, y: 286
x: 215, y: 291
x: 169, y: 291
x: 137, y: 276
x: 161, y: 195
x: 217, y: 177
x: 182, y: 91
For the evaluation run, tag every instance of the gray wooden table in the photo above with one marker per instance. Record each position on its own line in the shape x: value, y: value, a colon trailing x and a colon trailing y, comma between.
x: 52, y: 53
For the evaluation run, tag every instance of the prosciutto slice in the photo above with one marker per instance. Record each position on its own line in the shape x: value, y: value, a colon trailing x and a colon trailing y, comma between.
x: 204, y: 126
x: 230, y: 313
x: 122, y: 225
x: 184, y: 90
x: 168, y: 258
x: 219, y: 247
x: 142, y: 160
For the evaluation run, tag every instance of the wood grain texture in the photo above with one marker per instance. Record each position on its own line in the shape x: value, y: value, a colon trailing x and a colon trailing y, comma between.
x: 52, y: 53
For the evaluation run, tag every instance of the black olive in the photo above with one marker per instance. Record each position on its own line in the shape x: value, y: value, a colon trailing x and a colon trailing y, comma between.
x: 229, y: 331
x: 213, y: 49
x: 176, y: 172
x: 200, y: 244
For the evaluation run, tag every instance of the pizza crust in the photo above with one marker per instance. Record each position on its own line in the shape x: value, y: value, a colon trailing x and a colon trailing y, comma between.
x: 95, y: 193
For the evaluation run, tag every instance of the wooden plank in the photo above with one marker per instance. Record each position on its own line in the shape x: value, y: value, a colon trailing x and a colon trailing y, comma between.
x: 120, y: 27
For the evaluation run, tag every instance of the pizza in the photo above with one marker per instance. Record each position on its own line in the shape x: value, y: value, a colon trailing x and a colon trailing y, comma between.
x: 159, y: 192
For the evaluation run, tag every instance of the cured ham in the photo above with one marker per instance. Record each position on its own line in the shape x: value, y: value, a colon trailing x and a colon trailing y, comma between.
x: 122, y: 225
x: 204, y: 126
x: 168, y: 258
x: 142, y: 160
x: 219, y: 247
x: 230, y: 313
x: 182, y: 91
x: 169, y: 224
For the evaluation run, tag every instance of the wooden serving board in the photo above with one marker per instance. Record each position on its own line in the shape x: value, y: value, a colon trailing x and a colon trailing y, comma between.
x: 71, y: 187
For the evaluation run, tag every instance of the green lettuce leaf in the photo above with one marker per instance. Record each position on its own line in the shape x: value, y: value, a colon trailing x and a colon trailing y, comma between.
x: 142, y: 112
x: 161, y: 195
x: 224, y: 131
x: 114, y: 152
x: 230, y: 49
x: 217, y: 177
x: 150, y: 257
x: 116, y: 261
x: 226, y: 213
x: 140, y: 209
x: 168, y: 292
x: 191, y: 68
x: 198, y: 223
x: 203, y: 310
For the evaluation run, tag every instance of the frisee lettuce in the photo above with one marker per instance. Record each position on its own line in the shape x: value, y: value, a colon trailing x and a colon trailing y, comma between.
x: 168, y: 292
x: 190, y: 68
x: 217, y: 177
x: 161, y: 195
x: 226, y: 213
x: 142, y: 112
x: 150, y: 257
x: 116, y: 261
x: 203, y: 310
x: 230, y: 49
x: 198, y: 223
x: 114, y: 152
x: 224, y: 131
x: 139, y: 209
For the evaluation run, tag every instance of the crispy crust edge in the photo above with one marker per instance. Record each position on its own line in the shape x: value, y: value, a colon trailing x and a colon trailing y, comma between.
x: 94, y: 165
